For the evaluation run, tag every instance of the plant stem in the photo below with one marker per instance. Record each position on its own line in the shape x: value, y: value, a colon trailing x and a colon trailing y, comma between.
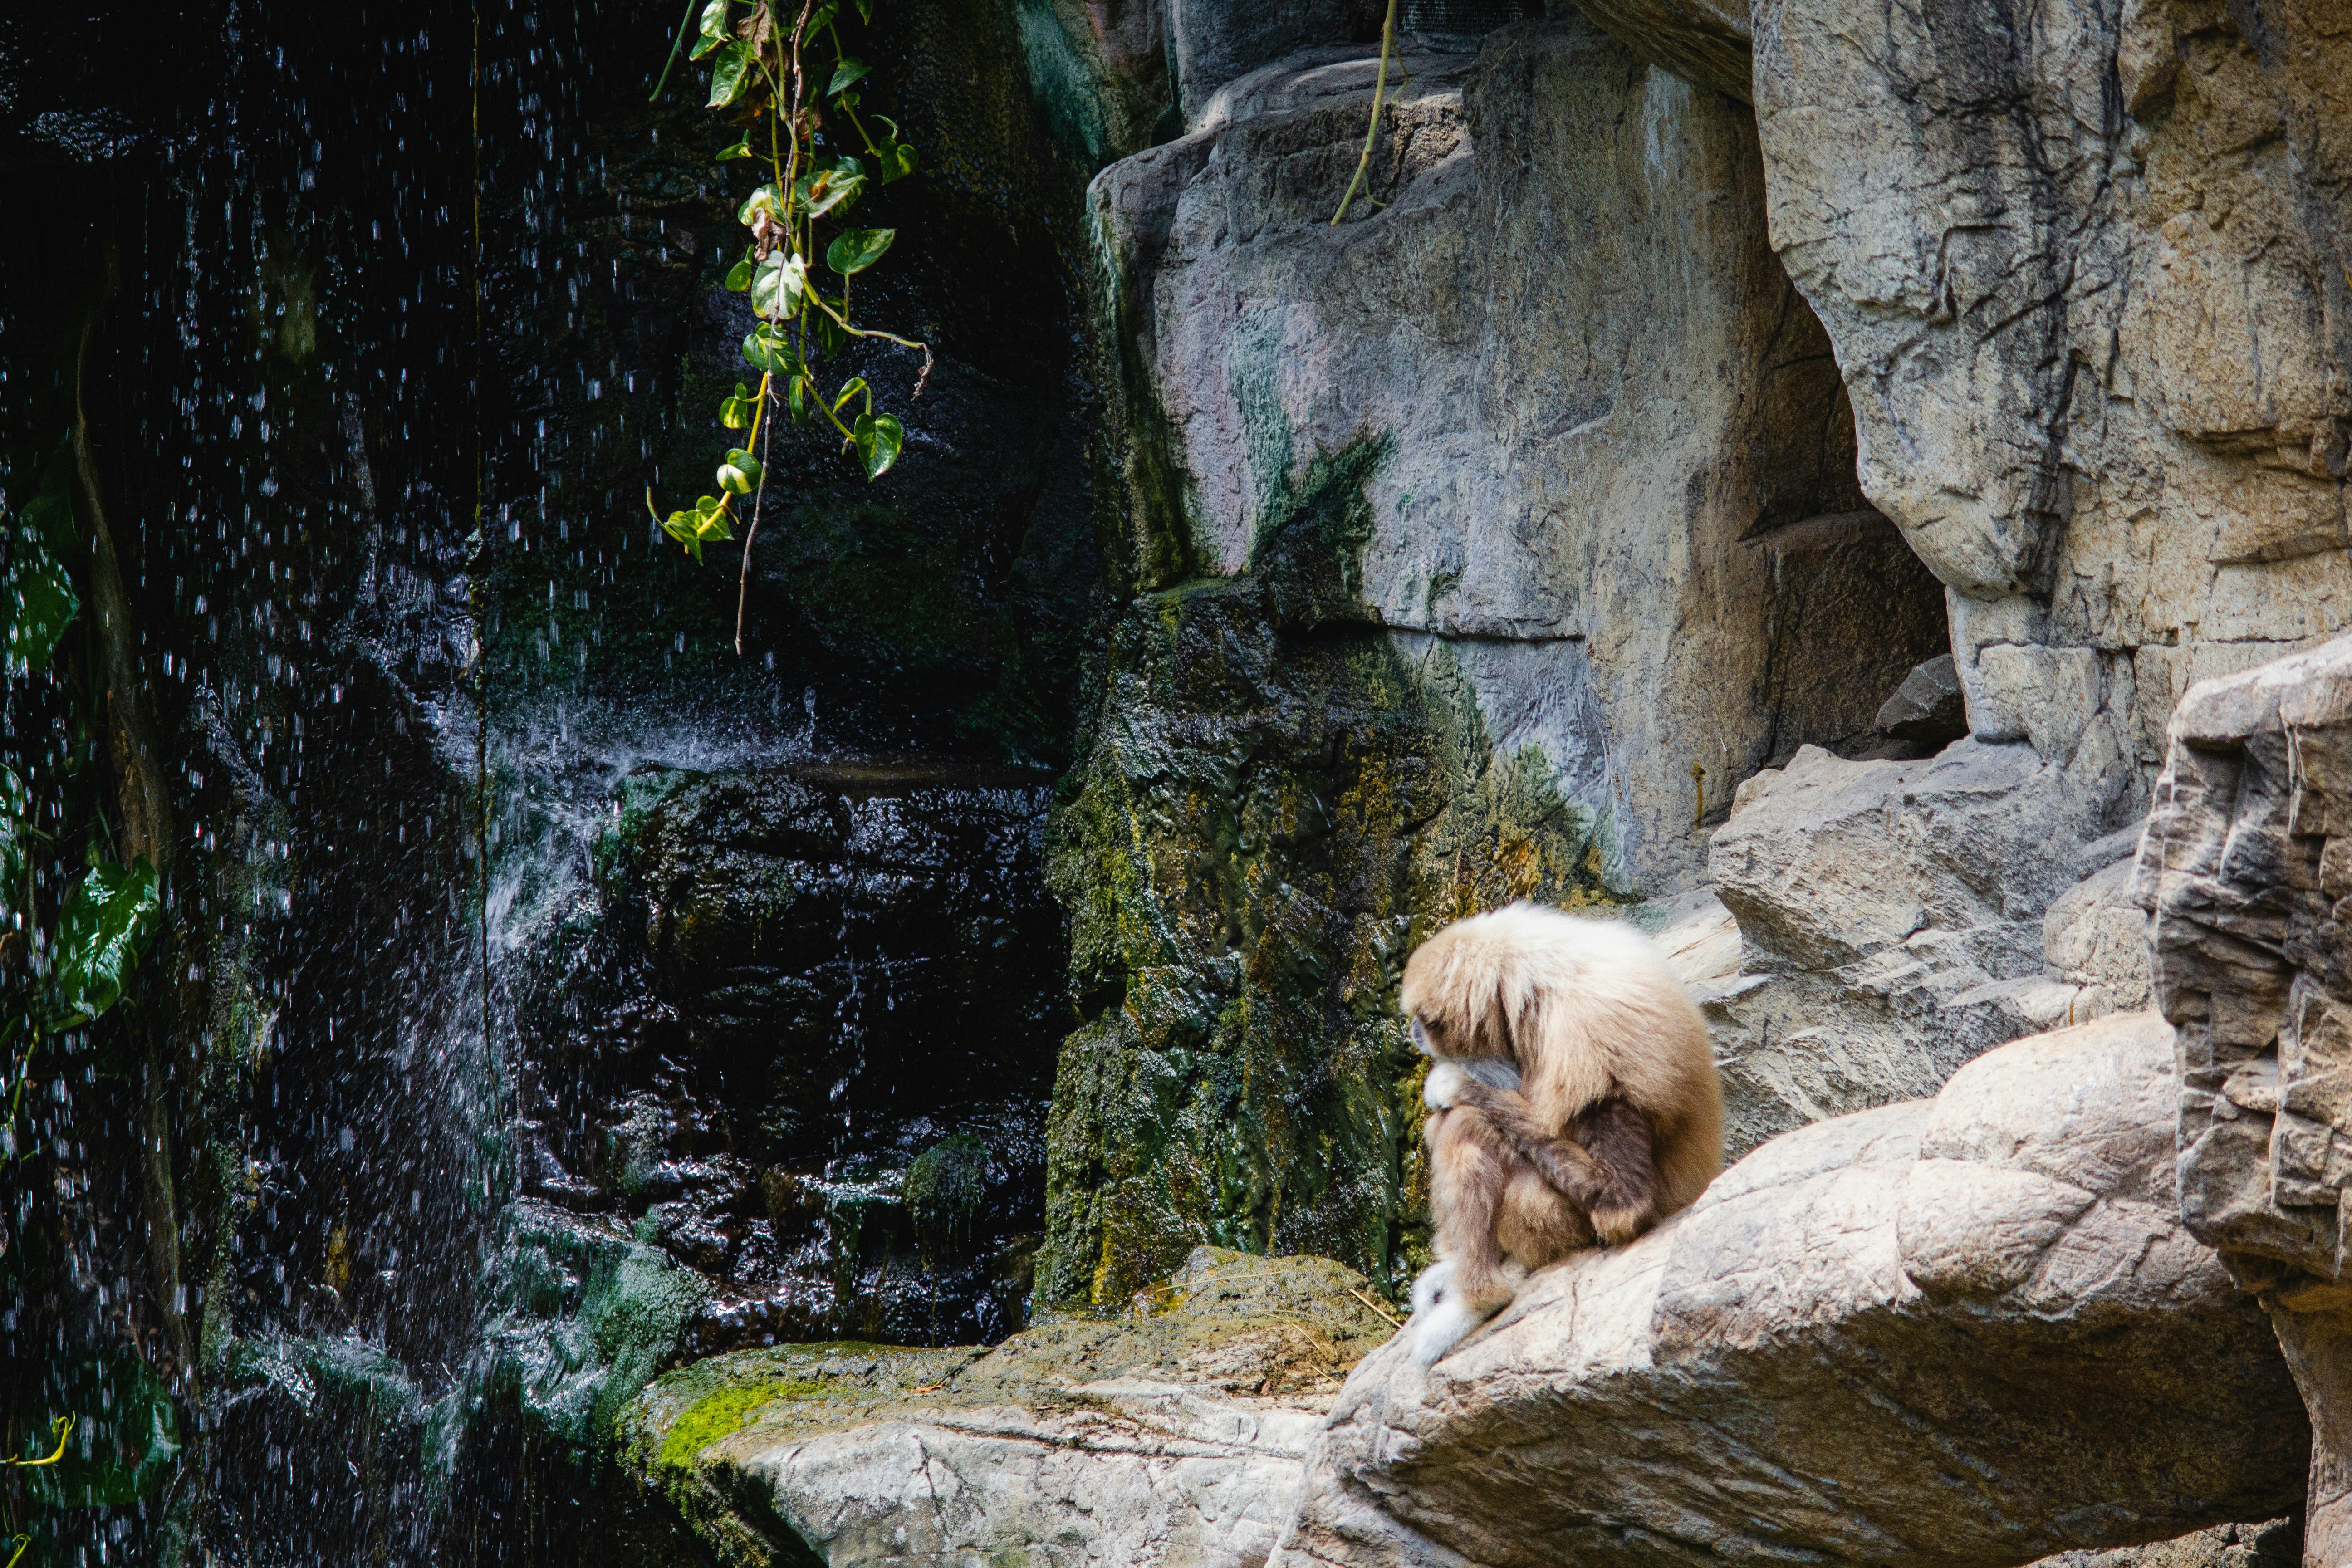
x: 1371, y: 132
x: 679, y: 43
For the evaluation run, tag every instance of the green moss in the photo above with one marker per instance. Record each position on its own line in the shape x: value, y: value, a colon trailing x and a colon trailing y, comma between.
x: 1278, y: 805
x: 724, y: 1413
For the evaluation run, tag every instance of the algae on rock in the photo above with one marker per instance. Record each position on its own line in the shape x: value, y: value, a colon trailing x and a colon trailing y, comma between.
x: 1280, y: 800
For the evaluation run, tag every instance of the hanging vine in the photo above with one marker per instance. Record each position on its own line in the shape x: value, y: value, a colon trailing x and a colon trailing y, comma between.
x: 760, y: 76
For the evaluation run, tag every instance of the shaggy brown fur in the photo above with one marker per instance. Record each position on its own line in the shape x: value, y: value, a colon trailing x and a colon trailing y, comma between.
x: 1616, y: 1123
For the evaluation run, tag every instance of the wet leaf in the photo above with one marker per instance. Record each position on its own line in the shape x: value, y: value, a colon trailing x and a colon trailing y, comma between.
x: 713, y: 29
x: 777, y: 287
x: 897, y: 161
x: 38, y: 602
x: 16, y: 842
x: 125, y: 1441
x: 767, y: 199
x: 107, y: 920
x: 740, y: 473
x: 877, y: 439
x: 858, y: 249
x: 731, y: 74
x: 770, y: 349
x: 845, y: 75
x: 833, y: 187
x: 849, y: 389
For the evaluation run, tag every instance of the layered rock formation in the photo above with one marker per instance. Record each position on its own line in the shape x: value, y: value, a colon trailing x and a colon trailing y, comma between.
x: 2087, y: 283
x: 2244, y: 870
x: 1970, y: 1331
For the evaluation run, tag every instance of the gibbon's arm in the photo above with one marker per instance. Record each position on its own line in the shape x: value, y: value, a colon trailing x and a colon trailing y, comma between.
x: 1603, y: 1163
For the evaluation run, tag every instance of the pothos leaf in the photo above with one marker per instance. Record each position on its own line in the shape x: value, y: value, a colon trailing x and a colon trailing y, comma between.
x: 856, y: 249
x: 16, y: 848
x: 106, y: 922
x: 740, y: 473
x: 846, y: 75
x: 778, y: 285
x: 865, y: 12
x: 897, y: 161
x: 731, y: 74
x: 877, y: 439
x: 735, y: 412
x: 770, y: 349
x: 851, y: 388
x: 830, y: 188
x: 767, y: 199
x: 740, y: 150
x: 739, y: 277
x: 38, y: 602
x: 705, y: 522
x: 712, y: 28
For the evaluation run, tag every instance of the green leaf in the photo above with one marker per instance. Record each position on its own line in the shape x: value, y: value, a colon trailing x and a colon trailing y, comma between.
x: 712, y: 28
x: 125, y: 1441
x: 740, y: 150
x: 731, y: 74
x: 865, y: 12
x: 735, y: 412
x: 107, y: 920
x: 767, y: 199
x: 797, y: 401
x: 740, y: 473
x: 897, y: 161
x: 38, y: 602
x: 822, y: 18
x: 777, y: 287
x: 830, y: 188
x: 739, y: 277
x: 16, y: 842
x: 851, y: 388
x: 845, y: 75
x: 856, y: 249
x: 877, y: 439
x: 770, y: 349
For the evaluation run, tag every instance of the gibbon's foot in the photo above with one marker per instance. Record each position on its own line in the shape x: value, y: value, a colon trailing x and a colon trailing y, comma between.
x: 1430, y: 1284
x: 1441, y: 1319
x: 1444, y: 1087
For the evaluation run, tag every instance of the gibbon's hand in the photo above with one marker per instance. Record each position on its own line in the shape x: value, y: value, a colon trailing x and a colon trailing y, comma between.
x: 1444, y: 1088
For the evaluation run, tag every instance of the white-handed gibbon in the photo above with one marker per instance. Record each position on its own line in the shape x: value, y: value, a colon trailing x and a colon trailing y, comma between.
x: 1573, y: 1102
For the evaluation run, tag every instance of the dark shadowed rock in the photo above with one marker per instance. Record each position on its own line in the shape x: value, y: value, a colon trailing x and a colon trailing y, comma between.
x: 1928, y: 705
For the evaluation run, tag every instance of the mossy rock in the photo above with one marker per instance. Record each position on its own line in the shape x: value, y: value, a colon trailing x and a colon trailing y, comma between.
x: 1228, y: 1322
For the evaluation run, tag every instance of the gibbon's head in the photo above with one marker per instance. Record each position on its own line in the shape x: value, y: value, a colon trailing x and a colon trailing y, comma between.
x: 1468, y: 988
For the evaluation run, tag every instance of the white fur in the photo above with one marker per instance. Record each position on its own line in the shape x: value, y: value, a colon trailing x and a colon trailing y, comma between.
x: 1443, y: 1086
x: 1440, y: 1328
x: 1439, y: 1318
x: 1431, y: 1285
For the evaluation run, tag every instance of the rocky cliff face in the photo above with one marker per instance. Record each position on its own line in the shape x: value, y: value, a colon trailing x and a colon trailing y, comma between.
x: 2086, y: 280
